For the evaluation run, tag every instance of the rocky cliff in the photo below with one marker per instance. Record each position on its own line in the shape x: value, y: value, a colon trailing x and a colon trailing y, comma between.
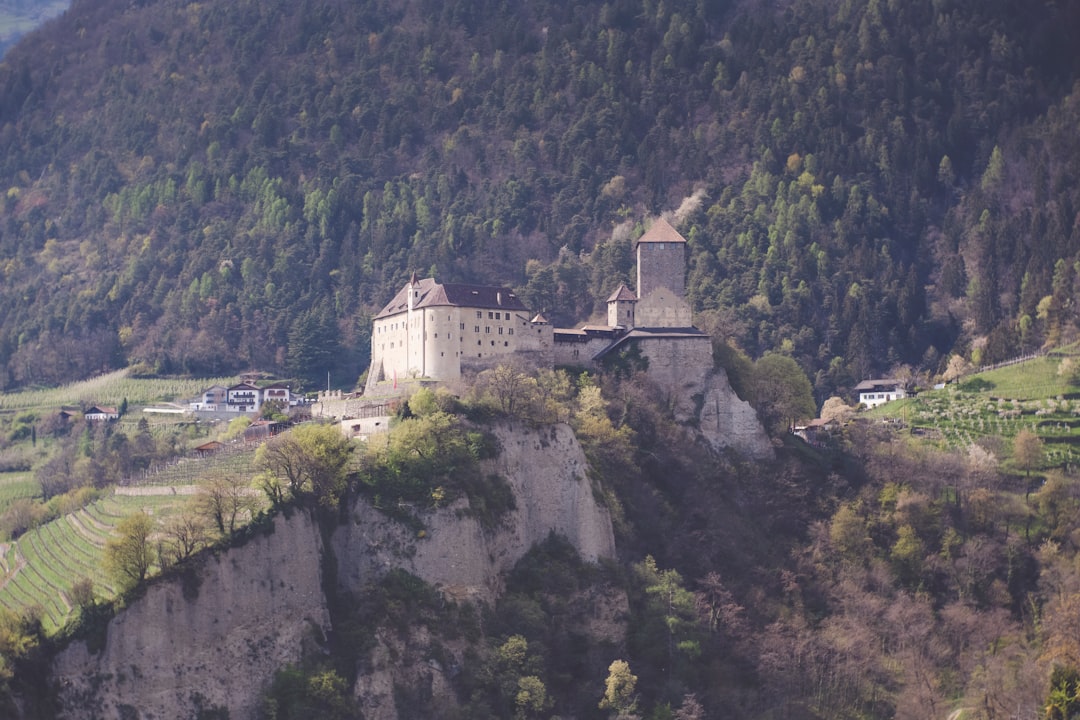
x: 210, y: 640
x: 702, y: 397
x: 546, y: 469
x: 215, y: 639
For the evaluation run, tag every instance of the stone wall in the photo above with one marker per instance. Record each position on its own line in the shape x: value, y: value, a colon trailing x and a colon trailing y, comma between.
x: 579, y: 352
x: 661, y: 265
x: 662, y: 308
x: 702, y: 396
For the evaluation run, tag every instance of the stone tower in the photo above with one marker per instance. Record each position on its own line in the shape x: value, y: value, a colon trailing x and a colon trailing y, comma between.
x: 661, y: 279
x: 661, y: 260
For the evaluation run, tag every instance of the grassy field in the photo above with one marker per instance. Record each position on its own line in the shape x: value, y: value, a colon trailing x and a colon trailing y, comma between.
x: 990, y: 408
x: 17, y: 486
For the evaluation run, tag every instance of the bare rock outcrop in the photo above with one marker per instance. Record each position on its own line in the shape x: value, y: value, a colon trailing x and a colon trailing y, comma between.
x: 727, y: 421
x: 701, y: 395
x: 212, y: 640
x: 546, y: 470
x: 215, y: 638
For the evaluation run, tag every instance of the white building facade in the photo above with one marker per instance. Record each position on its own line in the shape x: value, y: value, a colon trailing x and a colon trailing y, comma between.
x: 434, y: 331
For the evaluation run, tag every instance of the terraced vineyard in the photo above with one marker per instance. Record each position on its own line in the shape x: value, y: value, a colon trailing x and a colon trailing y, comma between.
x: 112, y: 389
x: 43, y: 565
x: 235, y: 460
x: 1001, y: 403
x: 17, y: 486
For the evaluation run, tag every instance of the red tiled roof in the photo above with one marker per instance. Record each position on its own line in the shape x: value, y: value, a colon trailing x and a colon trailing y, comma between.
x: 661, y: 231
x: 433, y: 294
x: 622, y: 293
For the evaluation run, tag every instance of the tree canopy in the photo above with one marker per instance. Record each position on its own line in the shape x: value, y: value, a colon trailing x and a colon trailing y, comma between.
x: 842, y: 202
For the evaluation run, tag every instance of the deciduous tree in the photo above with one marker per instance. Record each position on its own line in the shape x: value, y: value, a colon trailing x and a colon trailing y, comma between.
x: 185, y: 533
x: 129, y: 555
x: 223, y: 499
x: 1027, y: 451
x: 313, y: 460
x: 620, y: 692
x: 781, y: 392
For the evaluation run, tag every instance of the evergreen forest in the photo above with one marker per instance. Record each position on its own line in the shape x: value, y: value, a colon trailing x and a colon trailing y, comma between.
x: 207, y: 187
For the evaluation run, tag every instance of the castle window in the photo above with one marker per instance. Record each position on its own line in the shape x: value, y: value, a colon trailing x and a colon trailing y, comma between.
x: 476, y: 328
x: 500, y: 331
x: 442, y: 354
x: 487, y: 329
x: 506, y: 344
x: 492, y: 343
x: 479, y: 342
x: 490, y: 314
x: 498, y: 316
x: 510, y: 331
x: 479, y: 314
x: 462, y: 326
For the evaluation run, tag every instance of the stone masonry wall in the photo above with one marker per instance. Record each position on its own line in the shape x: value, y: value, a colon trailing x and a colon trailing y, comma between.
x: 702, y: 395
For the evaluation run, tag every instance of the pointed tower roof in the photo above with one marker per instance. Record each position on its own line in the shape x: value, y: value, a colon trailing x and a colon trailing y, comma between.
x: 412, y: 279
x: 539, y: 319
x: 661, y: 231
x: 622, y: 293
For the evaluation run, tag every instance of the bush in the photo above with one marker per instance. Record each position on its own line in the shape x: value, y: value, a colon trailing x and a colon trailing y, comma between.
x: 976, y: 384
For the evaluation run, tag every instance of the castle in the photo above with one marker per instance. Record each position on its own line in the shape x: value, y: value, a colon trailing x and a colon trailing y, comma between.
x: 440, y: 331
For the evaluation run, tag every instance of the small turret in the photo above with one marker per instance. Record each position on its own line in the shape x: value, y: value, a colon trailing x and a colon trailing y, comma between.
x: 620, y: 308
x: 414, y: 291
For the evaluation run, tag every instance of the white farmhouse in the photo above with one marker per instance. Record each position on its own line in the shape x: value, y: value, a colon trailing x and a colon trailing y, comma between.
x: 878, y: 392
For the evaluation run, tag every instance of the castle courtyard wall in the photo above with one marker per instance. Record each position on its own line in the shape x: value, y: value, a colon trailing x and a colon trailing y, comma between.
x: 662, y: 308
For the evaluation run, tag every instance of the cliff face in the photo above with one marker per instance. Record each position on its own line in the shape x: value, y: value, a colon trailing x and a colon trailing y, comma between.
x: 213, y: 640
x: 546, y: 469
x: 725, y: 420
x: 701, y: 396
x: 217, y: 639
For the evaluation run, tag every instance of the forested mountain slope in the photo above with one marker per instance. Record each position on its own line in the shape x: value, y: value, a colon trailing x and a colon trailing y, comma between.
x: 215, y: 185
